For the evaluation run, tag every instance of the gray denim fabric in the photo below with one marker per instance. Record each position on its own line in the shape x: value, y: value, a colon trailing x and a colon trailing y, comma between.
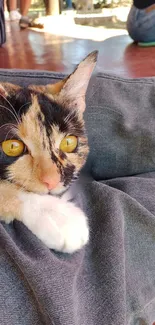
x: 112, y: 280
x: 141, y: 25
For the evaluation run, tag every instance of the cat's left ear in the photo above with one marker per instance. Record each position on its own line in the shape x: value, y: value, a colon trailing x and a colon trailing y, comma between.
x: 72, y: 90
x: 7, y: 89
x: 3, y: 91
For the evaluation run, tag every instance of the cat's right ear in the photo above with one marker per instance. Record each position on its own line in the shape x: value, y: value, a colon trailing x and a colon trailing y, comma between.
x: 72, y: 90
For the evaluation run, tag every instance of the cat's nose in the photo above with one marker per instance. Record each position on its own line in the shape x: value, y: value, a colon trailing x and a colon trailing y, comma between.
x: 49, y: 173
x: 50, y: 182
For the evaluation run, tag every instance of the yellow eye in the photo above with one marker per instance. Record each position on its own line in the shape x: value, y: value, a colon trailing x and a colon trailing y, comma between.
x: 69, y: 144
x: 13, y: 148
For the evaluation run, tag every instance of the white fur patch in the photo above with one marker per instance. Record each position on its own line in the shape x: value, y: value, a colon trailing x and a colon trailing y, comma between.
x: 59, y: 224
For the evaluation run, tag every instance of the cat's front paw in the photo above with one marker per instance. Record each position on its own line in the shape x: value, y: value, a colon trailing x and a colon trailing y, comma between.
x: 75, y: 231
x: 59, y: 224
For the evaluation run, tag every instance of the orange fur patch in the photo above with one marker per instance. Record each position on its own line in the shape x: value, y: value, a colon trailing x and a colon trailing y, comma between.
x: 10, y: 206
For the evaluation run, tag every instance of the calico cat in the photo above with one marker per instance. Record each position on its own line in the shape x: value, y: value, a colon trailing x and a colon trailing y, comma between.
x: 43, y: 146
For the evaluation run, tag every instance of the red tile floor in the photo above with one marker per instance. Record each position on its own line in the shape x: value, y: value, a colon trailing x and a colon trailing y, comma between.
x: 41, y: 50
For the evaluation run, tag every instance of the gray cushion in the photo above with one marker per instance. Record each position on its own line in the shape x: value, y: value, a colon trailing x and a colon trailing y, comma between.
x: 121, y: 126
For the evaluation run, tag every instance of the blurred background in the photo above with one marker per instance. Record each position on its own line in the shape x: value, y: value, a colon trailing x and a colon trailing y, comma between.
x: 108, y: 17
x: 65, y: 31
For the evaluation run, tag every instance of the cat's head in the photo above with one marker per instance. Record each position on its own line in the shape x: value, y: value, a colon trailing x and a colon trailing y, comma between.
x: 43, y: 144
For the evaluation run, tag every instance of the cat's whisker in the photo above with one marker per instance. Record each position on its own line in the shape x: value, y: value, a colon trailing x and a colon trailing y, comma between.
x: 16, y: 118
x: 8, y: 134
x: 10, y: 124
x: 70, y: 114
x: 22, y: 107
x: 68, y: 117
x: 10, y: 105
x: 11, y: 178
x: 23, y: 185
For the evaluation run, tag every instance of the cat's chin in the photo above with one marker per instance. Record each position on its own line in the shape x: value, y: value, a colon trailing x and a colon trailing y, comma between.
x: 58, y: 191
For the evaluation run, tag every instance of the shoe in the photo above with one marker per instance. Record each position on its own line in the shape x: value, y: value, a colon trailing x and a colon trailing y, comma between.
x: 26, y: 22
x: 6, y: 15
x: 14, y: 15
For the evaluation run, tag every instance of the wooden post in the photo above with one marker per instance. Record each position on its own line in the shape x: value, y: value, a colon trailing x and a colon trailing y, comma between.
x: 52, y: 7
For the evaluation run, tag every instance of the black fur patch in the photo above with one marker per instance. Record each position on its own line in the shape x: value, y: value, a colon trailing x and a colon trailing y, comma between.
x: 65, y: 118
x: 54, y: 158
x: 68, y: 172
x: 11, y: 110
x: 14, y: 106
x: 5, y: 161
x: 62, y: 155
x: 40, y: 118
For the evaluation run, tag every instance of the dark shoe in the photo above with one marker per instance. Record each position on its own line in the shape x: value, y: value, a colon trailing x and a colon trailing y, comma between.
x: 26, y: 22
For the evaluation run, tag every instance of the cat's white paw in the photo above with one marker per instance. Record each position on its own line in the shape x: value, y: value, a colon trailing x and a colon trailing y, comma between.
x: 74, y: 232
x: 59, y: 224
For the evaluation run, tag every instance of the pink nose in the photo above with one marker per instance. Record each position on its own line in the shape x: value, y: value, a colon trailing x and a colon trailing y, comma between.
x: 50, y: 183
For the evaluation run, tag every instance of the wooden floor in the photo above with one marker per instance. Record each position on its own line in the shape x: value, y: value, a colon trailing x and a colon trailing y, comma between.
x: 31, y: 49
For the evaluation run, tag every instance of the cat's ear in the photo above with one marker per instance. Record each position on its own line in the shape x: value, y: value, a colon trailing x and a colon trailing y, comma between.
x: 7, y: 89
x: 72, y: 90
x: 3, y: 91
